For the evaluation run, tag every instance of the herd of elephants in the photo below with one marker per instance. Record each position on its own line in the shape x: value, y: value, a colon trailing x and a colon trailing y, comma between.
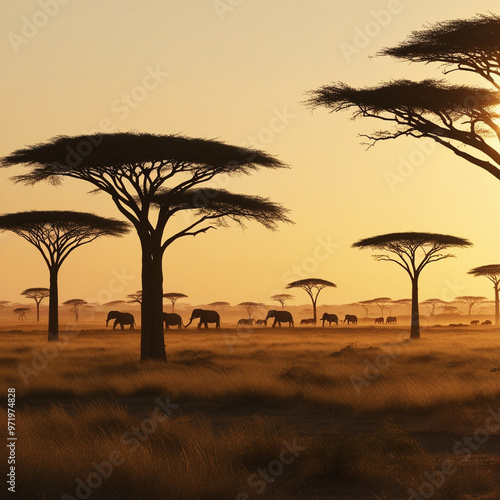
x: 207, y: 316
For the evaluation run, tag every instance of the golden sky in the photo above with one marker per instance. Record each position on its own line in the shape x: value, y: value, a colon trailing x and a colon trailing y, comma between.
x: 238, y: 71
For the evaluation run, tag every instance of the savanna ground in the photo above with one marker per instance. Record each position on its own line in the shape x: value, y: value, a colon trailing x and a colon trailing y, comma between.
x: 313, y: 413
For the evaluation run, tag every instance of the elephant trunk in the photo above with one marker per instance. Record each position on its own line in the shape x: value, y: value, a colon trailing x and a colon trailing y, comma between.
x: 107, y: 321
x: 190, y: 321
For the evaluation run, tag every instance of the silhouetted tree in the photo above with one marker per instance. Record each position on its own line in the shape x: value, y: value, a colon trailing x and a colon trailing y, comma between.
x: 174, y: 297
x: 75, y: 304
x: 219, y: 304
x: 154, y: 180
x: 37, y: 294
x: 433, y: 303
x: 114, y: 302
x: 469, y: 301
x: 56, y: 234
x: 312, y: 286
x: 135, y: 297
x: 21, y: 312
x: 282, y: 298
x: 412, y: 252
x: 365, y: 304
x: 450, y: 309
x: 492, y: 272
x: 381, y: 303
x: 250, y: 307
x: 462, y: 118
x: 4, y: 303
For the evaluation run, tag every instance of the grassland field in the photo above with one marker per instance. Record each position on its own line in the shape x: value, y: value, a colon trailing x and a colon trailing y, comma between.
x: 349, y: 412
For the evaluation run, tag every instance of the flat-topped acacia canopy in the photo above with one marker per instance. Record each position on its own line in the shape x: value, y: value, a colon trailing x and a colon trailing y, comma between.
x: 152, y: 178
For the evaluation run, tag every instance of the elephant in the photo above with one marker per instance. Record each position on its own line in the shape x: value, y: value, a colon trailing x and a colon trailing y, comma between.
x: 380, y: 321
x: 280, y: 317
x: 391, y: 319
x: 172, y: 319
x: 331, y: 318
x: 245, y: 322
x: 206, y: 316
x: 351, y: 318
x: 121, y: 319
x: 261, y: 322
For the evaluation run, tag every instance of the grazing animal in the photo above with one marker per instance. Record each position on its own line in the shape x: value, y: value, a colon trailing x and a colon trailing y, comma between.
x: 331, y: 318
x: 206, y: 316
x: 379, y: 321
x: 280, y: 317
x: 308, y: 321
x: 172, y: 319
x: 391, y: 319
x: 487, y: 322
x: 261, y: 322
x: 245, y: 322
x: 474, y: 322
x: 351, y: 318
x: 121, y: 319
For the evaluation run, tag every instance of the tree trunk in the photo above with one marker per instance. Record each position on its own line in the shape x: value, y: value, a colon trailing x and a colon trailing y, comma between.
x: 496, y: 305
x: 314, y: 309
x: 415, y: 320
x: 53, y: 304
x: 37, y: 309
x: 152, y: 335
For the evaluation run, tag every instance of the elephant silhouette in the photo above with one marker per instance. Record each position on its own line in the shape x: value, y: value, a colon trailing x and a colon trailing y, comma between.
x: 380, y: 321
x: 280, y: 317
x: 260, y: 322
x: 206, y: 316
x: 121, y: 319
x: 351, y: 318
x: 391, y: 320
x: 172, y: 319
x: 331, y: 318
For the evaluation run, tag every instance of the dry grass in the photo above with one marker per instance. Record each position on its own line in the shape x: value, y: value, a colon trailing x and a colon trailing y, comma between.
x: 364, y: 403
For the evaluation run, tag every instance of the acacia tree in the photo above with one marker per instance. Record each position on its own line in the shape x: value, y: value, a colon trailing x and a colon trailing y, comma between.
x: 470, y: 301
x: 433, y: 303
x: 381, y: 303
x: 220, y: 304
x: 492, y: 272
x: 412, y: 251
x: 75, y: 304
x: 154, y: 180
x: 250, y: 307
x: 37, y: 294
x: 312, y: 286
x: 174, y: 297
x: 135, y: 297
x: 365, y: 304
x: 461, y: 118
x: 56, y: 234
x: 282, y: 298
x: 21, y: 312
x: 450, y: 309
